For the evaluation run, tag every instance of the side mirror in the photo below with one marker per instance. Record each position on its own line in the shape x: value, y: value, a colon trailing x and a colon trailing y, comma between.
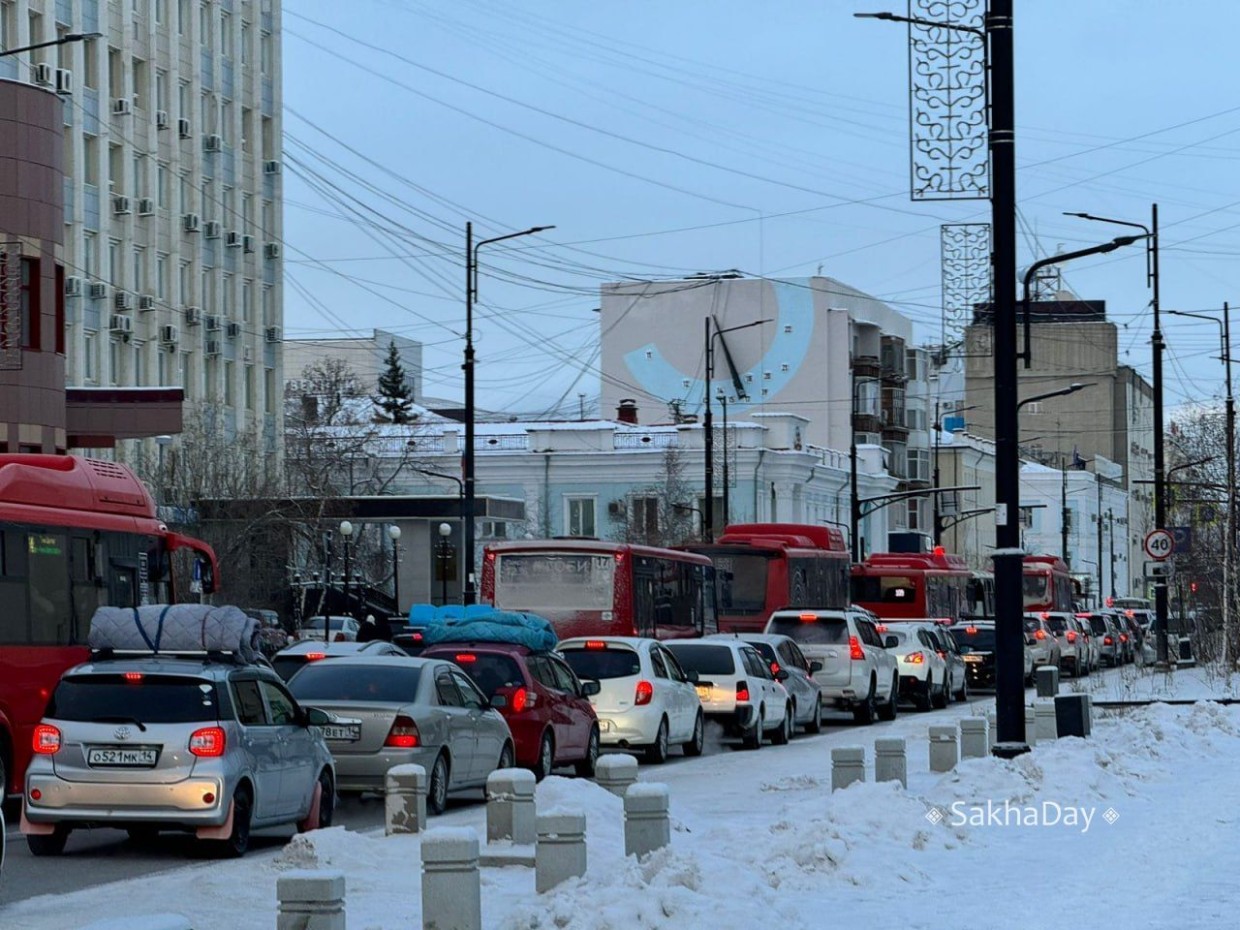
x: 815, y: 666
x: 691, y: 675
x: 781, y: 675
x: 590, y: 688
x: 313, y: 717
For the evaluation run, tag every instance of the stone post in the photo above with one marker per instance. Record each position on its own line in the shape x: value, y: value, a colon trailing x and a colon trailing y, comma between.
x: 510, y: 806
x: 451, y: 889
x: 1031, y: 725
x: 1044, y: 720
x: 992, y: 717
x: 847, y: 766
x: 560, y: 853
x: 891, y: 761
x: 974, y: 742
x: 943, y: 752
x: 647, y: 826
x: 1047, y: 678
x: 404, y: 799
x: 616, y: 773
x: 310, y: 901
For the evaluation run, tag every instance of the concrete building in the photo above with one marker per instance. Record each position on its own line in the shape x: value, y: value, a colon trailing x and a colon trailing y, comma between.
x: 366, y: 356
x: 172, y: 197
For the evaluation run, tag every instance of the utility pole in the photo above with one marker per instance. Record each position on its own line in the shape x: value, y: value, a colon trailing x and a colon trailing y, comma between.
x: 938, y: 512
x: 1229, y: 550
x: 1098, y: 483
x: 1111, y: 525
x: 1160, y: 465
x: 1063, y: 509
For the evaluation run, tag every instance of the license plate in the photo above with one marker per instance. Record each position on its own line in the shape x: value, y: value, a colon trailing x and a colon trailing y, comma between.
x: 122, y: 757
x: 973, y: 658
x: 346, y: 732
x: 704, y: 692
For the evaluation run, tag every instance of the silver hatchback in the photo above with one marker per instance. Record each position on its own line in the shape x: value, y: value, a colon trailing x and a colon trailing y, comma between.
x: 175, y: 743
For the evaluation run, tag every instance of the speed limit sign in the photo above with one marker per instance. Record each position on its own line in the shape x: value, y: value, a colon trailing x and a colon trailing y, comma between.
x: 1159, y: 544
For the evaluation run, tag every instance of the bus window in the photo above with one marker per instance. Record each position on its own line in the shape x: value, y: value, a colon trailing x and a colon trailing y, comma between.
x: 48, y: 589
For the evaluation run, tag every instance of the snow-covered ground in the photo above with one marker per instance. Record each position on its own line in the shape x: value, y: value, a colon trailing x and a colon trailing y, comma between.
x: 759, y: 840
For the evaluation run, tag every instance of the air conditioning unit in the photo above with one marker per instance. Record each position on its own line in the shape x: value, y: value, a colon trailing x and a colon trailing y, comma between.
x: 146, y: 207
x: 213, y: 324
x: 64, y: 81
x: 247, y: 244
x: 146, y: 302
x: 43, y: 74
x: 73, y: 286
x: 190, y: 222
x: 123, y: 300
x: 120, y: 205
x: 98, y: 289
x: 212, y: 230
x: 271, y: 167
x: 193, y: 316
x: 169, y: 334
x: 233, y: 240
x: 120, y: 323
x: 271, y: 250
x: 213, y: 347
x: 161, y: 119
x: 232, y: 330
x: 122, y: 106
x: 272, y: 334
x: 184, y: 129
x: 213, y: 143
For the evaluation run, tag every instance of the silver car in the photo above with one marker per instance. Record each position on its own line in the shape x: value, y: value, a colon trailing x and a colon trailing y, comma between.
x: 782, y: 652
x: 166, y: 743
x: 289, y: 660
x: 396, y: 710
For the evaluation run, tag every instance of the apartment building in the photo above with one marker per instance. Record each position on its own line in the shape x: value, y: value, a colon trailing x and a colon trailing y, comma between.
x: 172, y: 195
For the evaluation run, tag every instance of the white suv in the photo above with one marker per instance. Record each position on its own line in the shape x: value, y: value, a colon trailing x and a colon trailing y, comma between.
x: 857, y: 674
x: 923, y: 668
x: 737, y: 688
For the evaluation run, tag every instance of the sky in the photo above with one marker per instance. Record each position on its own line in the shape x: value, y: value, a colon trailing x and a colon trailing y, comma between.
x: 759, y: 838
x: 664, y: 139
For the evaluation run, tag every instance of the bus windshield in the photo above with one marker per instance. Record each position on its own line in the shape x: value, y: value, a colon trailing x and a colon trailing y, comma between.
x: 884, y: 589
x: 1037, y: 590
x: 555, y: 581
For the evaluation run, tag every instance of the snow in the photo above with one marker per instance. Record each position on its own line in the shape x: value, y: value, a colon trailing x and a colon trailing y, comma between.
x: 759, y: 839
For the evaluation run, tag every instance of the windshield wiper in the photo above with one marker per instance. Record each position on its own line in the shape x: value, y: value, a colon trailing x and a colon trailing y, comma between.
x: 120, y: 719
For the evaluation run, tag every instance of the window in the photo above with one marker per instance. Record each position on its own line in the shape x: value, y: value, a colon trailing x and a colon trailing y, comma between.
x: 269, y: 390
x: 183, y: 15
x: 269, y: 305
x: 247, y: 210
x: 114, y: 262
x: 660, y: 667
x: 644, y: 517
x: 919, y: 464
x: 90, y: 159
x: 161, y: 11
x: 90, y: 364
x: 283, y: 708
x: 229, y: 393
x: 161, y: 276
x: 446, y: 690
x: 469, y: 692
x: 162, y: 185
x: 114, y: 361
x: 245, y: 42
x: 8, y: 24
x: 90, y: 254
x: 90, y: 64
x: 206, y: 34
x: 264, y: 53
x: 140, y: 90
x: 249, y: 388
x: 249, y: 703
x: 139, y: 268
x: 186, y: 194
x: 184, y: 96
x: 580, y: 516
x: 116, y: 170
x: 22, y: 330
x: 226, y: 35
x: 184, y: 283
x: 187, y: 381
x: 161, y: 90
x: 226, y: 290
x: 116, y: 74
x: 247, y: 130
x: 247, y: 300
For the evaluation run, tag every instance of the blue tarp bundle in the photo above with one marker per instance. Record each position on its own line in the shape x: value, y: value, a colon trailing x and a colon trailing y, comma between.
x: 482, y: 623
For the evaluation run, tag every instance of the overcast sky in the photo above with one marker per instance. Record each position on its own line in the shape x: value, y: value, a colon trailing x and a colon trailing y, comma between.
x: 670, y: 138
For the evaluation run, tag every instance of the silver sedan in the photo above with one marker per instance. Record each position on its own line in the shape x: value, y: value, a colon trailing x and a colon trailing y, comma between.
x: 396, y: 710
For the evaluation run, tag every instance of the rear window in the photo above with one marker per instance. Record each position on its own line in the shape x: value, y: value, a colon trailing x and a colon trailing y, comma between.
x: 901, y: 638
x: 601, y: 664
x: 705, y: 660
x: 338, y: 681
x: 316, y: 623
x: 1099, y: 625
x: 766, y: 650
x: 490, y: 671
x: 149, y: 699
x: 980, y: 639
x: 1057, y: 624
x: 825, y: 631
x: 286, y: 666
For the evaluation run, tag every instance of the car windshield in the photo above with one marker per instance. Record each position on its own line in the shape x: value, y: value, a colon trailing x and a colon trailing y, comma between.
x: 703, y: 659
x: 821, y: 631
x: 316, y: 623
x: 490, y: 671
x: 601, y: 664
x: 975, y: 639
x: 353, y: 681
x: 134, y: 696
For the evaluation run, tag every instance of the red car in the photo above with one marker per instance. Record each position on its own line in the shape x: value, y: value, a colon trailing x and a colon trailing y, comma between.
x: 546, y: 706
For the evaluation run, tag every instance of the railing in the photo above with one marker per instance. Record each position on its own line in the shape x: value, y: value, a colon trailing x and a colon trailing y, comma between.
x: 629, y: 440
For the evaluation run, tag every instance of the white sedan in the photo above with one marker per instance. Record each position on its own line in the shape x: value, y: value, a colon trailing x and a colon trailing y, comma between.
x: 646, y: 701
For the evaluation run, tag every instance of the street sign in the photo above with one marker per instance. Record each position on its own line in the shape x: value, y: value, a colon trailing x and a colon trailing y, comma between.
x: 1159, y: 544
x: 1158, y: 569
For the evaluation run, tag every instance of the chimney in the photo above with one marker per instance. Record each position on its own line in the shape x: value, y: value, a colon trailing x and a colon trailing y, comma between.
x: 627, y: 411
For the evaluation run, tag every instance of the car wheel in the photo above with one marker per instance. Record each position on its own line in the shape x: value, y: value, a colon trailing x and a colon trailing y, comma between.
x: 320, y: 819
x: 889, y: 710
x: 963, y: 694
x: 815, y: 721
x: 926, y: 696
x: 656, y: 752
x: 505, y: 757
x: 546, y: 757
x: 437, y: 791
x: 945, y: 693
x: 865, y: 712
x: 585, y: 768
x: 781, y: 736
x: 238, y: 842
x: 753, y: 739
x: 48, y: 844
x: 698, y: 742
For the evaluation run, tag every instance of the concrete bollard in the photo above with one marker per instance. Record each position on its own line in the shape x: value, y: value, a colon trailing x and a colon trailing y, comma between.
x: 1044, y: 720
x: 847, y: 766
x: 1047, y: 678
x: 943, y: 754
x: 404, y: 799
x: 510, y: 806
x: 145, y: 921
x: 992, y: 717
x: 616, y: 773
x: 310, y: 901
x: 647, y: 826
x: 974, y: 738
x: 1031, y: 725
x: 451, y: 888
x: 891, y: 760
x: 560, y: 853
x: 1073, y: 714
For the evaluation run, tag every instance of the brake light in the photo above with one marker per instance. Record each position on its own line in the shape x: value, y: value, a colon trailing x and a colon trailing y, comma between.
x: 1123, y: 637
x: 1039, y: 634
x: 1071, y: 636
x: 645, y: 691
x: 970, y: 630
x: 595, y: 644
x: 417, y: 637
x: 133, y: 676
x: 521, y: 699
x: 46, y: 739
x: 882, y: 628
x: 917, y: 658
x: 404, y: 734
x: 1082, y: 616
x: 854, y: 648
x: 1045, y: 615
x: 463, y: 657
x: 1107, y: 641
x: 742, y: 692
x: 774, y: 668
x: 207, y: 743
x: 808, y: 618
x: 315, y: 656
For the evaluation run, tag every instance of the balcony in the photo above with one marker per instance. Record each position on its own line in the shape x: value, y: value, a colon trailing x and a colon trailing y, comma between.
x: 866, y: 366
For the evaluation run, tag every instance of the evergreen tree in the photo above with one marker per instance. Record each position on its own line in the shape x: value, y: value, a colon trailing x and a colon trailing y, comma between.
x: 395, y: 401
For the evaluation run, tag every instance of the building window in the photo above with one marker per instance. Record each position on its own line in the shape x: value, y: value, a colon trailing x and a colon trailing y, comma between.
x: 90, y: 365
x: 182, y: 17
x: 186, y: 373
x: 644, y: 517
x: 226, y: 304
x: 579, y: 516
x: 90, y: 159
x: 245, y: 42
x: 264, y: 53
x: 226, y: 36
x: 249, y: 387
x: 22, y: 329
x: 247, y: 300
x: 205, y: 33
x: 90, y: 254
x: 269, y: 306
x: 114, y: 262
x: 114, y: 361
x: 229, y: 396
x: 717, y: 514
x: 139, y: 268
x: 162, y: 180
x: 919, y: 464
x: 269, y: 390
x: 161, y: 276
x: 184, y: 284
x: 90, y: 64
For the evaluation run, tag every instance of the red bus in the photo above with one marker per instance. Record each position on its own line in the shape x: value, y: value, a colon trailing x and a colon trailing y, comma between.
x: 587, y: 587
x: 1047, y: 584
x: 903, y: 585
x: 75, y: 534
x: 762, y: 567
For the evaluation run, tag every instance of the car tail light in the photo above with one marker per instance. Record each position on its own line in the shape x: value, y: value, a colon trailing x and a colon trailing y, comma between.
x: 133, y: 676
x: 1082, y: 616
x: 1071, y: 636
x: 917, y: 658
x: 1039, y: 634
x: 742, y: 692
x: 854, y: 649
x: 808, y: 618
x: 595, y: 644
x: 207, y: 743
x: 882, y: 628
x: 462, y: 657
x: 417, y: 637
x: 1107, y: 641
x: 315, y: 656
x: 1123, y: 637
x: 941, y: 653
x: 521, y: 699
x: 645, y: 691
x: 774, y: 668
x: 404, y: 734
x: 970, y: 630
x: 46, y: 739
x: 1045, y: 615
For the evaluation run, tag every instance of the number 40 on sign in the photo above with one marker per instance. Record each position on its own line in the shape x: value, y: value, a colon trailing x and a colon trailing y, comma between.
x: 1159, y: 544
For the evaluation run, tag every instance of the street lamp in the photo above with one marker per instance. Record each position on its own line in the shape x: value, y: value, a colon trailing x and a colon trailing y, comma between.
x: 67, y: 37
x: 727, y: 510
x: 394, y: 535
x: 467, y: 464
x: 346, y: 531
x: 1062, y: 392
x: 713, y: 332
x: 445, y: 530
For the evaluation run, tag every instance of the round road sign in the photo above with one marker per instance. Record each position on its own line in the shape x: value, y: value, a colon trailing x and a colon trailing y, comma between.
x: 1159, y: 544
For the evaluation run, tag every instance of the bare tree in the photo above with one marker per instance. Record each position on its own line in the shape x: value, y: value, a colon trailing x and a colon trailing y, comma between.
x: 659, y: 514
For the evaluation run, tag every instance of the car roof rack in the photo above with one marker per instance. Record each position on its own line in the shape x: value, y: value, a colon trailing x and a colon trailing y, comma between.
x: 219, y: 656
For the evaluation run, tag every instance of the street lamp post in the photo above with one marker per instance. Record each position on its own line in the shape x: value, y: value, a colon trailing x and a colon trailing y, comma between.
x: 67, y: 37
x: 938, y: 435
x: 394, y: 535
x: 445, y: 530
x: 727, y: 512
x: 346, y: 531
x: 467, y: 463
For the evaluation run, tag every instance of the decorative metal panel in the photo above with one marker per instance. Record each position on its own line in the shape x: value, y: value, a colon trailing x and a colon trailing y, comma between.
x: 965, y: 256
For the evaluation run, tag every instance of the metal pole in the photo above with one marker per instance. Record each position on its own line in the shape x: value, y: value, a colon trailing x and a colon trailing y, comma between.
x: 727, y: 514
x: 1111, y: 525
x: 938, y: 513
x: 396, y: 572
x: 443, y: 571
x: 347, y: 579
x: 1063, y: 507
x: 1098, y: 482
x: 1229, y: 549
x: 467, y: 460
x: 708, y: 509
x: 1160, y: 477
x: 854, y: 510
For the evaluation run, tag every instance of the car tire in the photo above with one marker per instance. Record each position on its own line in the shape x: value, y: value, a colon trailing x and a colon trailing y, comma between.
x: 866, y: 710
x: 546, y: 757
x: 944, y: 696
x: 656, y: 752
x: 48, y: 844
x: 891, y: 709
x: 437, y: 790
x: 925, y: 697
x: 585, y: 767
x: 322, y: 818
x: 815, y: 721
x: 753, y: 738
x: 963, y: 694
x: 506, y: 757
x: 783, y: 735
x: 695, y: 745
x: 238, y: 842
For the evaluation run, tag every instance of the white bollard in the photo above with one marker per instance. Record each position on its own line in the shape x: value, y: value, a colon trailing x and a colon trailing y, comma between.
x: 145, y: 921
x: 943, y: 753
x: 974, y: 742
x: 891, y: 760
x: 404, y: 799
x: 310, y: 901
x: 1031, y: 726
x: 560, y: 853
x: 1045, y: 723
x: 847, y: 766
x: 616, y: 773
x: 647, y: 826
x: 451, y: 889
x: 510, y: 806
x: 992, y: 717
